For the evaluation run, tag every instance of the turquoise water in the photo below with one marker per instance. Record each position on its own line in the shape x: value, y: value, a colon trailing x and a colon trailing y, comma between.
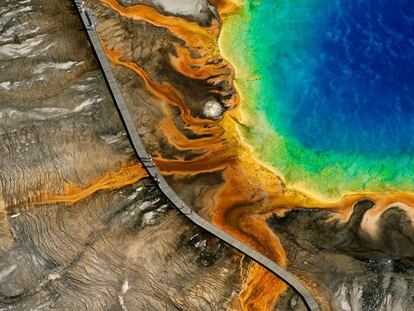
x: 336, y: 84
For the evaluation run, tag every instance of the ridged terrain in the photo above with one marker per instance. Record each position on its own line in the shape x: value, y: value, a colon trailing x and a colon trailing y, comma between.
x: 82, y: 227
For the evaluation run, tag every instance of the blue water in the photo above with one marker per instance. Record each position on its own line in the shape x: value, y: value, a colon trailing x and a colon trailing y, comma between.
x: 346, y: 82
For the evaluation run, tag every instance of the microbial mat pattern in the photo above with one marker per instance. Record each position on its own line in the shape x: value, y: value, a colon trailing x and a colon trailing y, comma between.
x: 334, y: 82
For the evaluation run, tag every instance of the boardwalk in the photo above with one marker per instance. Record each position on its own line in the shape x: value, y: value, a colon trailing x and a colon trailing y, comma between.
x: 89, y: 21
